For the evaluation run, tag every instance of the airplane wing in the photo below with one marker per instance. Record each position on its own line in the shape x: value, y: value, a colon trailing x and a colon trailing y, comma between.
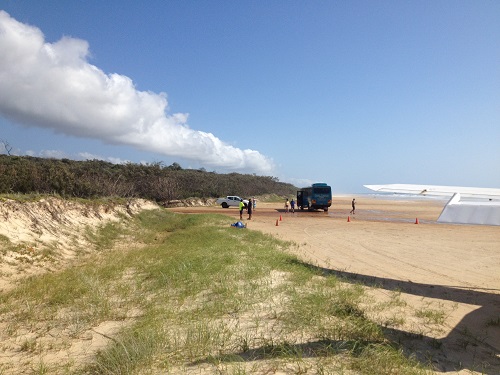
x: 456, y: 211
x: 468, y: 192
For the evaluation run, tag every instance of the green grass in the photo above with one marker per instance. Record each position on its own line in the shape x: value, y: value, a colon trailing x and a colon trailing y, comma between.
x: 22, y: 198
x: 205, y: 296
x: 493, y: 322
x: 5, y: 245
x: 274, y: 198
x: 431, y: 316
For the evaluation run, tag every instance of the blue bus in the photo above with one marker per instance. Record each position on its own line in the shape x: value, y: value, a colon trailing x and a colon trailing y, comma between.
x: 315, y: 197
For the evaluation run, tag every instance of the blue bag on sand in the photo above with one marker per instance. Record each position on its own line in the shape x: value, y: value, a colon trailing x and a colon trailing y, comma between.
x: 238, y: 224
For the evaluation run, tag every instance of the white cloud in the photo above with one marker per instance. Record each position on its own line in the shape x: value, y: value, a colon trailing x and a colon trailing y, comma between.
x: 299, y: 182
x: 52, y: 85
x: 111, y: 159
x: 54, y: 154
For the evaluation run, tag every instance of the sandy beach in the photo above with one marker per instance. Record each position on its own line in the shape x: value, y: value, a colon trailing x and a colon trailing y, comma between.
x: 454, y: 269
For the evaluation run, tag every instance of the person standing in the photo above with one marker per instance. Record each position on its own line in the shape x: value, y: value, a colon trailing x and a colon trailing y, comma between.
x: 242, y: 206
x: 292, y: 205
x: 249, y: 208
x: 353, y: 206
x: 286, y: 205
x: 254, y: 203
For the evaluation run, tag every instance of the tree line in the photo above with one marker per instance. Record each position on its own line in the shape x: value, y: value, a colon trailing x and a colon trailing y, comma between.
x: 155, y: 181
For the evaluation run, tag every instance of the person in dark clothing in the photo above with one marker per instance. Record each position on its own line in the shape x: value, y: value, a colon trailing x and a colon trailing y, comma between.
x: 249, y: 208
x: 353, y: 206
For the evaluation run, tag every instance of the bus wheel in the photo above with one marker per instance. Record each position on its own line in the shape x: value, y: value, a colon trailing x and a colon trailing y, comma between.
x: 326, y: 209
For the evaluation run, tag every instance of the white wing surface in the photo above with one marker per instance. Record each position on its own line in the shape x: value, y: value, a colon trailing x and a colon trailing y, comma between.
x: 456, y: 211
x: 468, y: 192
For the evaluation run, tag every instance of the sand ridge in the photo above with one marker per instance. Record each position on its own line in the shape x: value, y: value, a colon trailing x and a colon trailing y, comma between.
x: 52, y: 222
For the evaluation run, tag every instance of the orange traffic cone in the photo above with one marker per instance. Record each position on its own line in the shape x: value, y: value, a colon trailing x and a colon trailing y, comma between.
x: 281, y: 218
x: 416, y: 220
x: 348, y: 219
x: 277, y: 223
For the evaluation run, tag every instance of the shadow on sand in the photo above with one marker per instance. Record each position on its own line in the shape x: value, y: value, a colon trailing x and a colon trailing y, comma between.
x: 474, y: 340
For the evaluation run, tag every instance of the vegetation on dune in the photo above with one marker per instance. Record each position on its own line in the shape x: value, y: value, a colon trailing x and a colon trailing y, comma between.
x: 173, y: 293
x: 191, y: 294
x: 157, y: 182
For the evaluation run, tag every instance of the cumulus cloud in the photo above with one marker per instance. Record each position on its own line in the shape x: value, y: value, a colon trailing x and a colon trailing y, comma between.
x: 53, y: 154
x: 89, y: 156
x: 300, y: 182
x: 52, y: 85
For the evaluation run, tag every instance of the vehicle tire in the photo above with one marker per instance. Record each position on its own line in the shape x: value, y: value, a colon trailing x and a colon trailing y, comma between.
x: 326, y: 209
x: 224, y: 205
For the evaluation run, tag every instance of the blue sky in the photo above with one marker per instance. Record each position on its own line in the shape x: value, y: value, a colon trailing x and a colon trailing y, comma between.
x: 343, y: 92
